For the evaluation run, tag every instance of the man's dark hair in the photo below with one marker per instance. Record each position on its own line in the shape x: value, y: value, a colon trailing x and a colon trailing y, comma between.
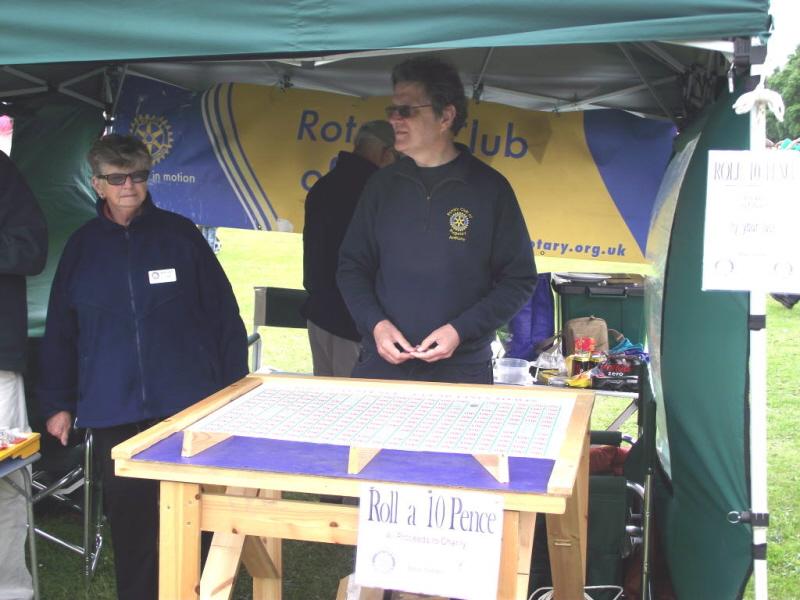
x: 440, y: 81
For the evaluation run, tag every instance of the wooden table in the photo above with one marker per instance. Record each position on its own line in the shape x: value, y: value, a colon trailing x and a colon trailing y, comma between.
x: 234, y: 489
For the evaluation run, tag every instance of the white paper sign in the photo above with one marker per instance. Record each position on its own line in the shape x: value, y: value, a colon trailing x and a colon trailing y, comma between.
x: 752, y: 226
x: 429, y: 541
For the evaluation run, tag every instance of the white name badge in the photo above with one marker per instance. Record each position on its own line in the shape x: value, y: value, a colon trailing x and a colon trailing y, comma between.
x: 162, y: 276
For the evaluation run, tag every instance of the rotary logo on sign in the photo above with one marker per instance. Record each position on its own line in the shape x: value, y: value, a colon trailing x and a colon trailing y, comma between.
x: 156, y: 133
x: 459, y: 219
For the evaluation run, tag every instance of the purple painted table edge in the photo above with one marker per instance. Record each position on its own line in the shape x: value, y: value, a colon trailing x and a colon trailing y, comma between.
x: 527, y: 475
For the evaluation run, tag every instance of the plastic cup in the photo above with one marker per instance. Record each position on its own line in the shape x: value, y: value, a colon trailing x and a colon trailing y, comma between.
x: 514, y: 371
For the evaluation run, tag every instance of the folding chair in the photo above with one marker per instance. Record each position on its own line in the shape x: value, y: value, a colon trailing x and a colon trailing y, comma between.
x: 614, y: 528
x: 61, y: 472
x: 275, y: 307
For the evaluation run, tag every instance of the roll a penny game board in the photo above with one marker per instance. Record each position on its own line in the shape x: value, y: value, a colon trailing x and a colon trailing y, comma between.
x: 224, y: 462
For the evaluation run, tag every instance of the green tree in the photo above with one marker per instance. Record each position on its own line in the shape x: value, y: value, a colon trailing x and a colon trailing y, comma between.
x: 786, y: 82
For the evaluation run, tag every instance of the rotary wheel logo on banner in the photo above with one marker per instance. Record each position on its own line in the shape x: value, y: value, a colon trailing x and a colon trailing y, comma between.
x: 156, y: 133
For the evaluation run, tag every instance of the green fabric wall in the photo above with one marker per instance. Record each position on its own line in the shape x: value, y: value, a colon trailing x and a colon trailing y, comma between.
x: 49, y: 146
x: 704, y: 373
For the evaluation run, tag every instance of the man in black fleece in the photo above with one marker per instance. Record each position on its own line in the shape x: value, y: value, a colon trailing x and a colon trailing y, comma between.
x: 437, y: 256
x: 330, y: 204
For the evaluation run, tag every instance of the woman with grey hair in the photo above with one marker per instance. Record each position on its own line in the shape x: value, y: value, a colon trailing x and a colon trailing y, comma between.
x: 142, y: 322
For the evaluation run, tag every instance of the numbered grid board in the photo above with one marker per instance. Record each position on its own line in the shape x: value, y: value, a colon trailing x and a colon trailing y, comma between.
x: 457, y: 420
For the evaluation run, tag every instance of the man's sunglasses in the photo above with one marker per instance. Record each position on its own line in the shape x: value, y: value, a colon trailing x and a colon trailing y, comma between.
x: 403, y: 111
x: 119, y: 178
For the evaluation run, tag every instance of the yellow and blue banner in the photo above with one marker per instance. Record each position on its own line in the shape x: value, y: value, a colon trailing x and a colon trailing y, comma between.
x: 241, y: 155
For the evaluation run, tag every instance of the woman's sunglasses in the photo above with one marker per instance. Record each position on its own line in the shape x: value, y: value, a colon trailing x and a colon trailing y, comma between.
x: 119, y: 178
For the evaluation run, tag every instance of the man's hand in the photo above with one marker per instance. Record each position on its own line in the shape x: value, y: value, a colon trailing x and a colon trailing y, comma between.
x: 387, y: 338
x: 438, y: 345
x: 59, y: 425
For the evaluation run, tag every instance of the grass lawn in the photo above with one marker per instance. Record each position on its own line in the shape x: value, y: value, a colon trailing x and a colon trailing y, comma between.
x: 311, y: 570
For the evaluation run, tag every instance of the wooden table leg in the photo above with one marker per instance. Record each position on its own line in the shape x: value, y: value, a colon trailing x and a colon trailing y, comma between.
x: 515, y: 555
x: 225, y: 555
x: 509, y: 557
x: 262, y: 557
x: 566, y: 537
x: 527, y: 529
x: 221, y: 567
x: 179, y: 541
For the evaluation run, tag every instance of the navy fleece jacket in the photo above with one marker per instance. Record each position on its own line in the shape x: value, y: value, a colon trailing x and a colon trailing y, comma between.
x: 142, y: 322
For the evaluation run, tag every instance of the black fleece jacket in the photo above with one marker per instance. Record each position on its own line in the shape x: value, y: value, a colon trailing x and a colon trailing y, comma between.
x: 23, y: 251
x: 329, y: 208
x: 459, y: 255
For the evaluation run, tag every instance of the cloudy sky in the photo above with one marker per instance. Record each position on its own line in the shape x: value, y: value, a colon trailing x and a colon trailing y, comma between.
x: 786, y: 36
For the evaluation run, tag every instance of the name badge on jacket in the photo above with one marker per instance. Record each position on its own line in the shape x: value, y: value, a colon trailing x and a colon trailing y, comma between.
x: 162, y: 276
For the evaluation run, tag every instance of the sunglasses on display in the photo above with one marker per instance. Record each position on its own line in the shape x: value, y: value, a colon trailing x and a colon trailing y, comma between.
x: 119, y: 178
x: 403, y: 111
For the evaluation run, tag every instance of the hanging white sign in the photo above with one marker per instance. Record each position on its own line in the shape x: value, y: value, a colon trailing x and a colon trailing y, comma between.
x: 752, y: 221
x: 429, y: 540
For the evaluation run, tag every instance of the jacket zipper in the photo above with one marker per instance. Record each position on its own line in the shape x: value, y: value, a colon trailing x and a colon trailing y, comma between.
x: 136, y: 325
x: 429, y: 195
